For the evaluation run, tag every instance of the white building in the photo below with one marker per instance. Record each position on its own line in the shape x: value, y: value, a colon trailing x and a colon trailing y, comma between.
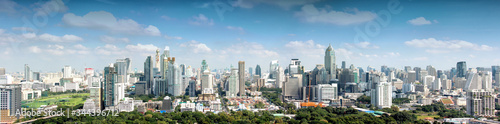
x: 436, y: 85
x: 408, y: 87
x: 119, y: 92
x: 481, y: 102
x: 6, y: 79
x: 326, y: 92
x: 57, y: 89
x: 31, y: 94
x: 207, y: 80
x: 71, y: 86
x: 446, y: 84
x: 429, y: 80
x: 381, y: 96
x: 233, y: 84
x: 67, y: 72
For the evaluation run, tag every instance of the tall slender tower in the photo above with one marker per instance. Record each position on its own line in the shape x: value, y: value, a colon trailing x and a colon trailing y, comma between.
x: 164, y: 62
x: 330, y: 62
x: 461, y: 69
x: 157, y: 59
x: 241, y: 77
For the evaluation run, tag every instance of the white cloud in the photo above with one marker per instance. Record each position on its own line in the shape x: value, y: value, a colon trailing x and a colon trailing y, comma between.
x: 103, y: 20
x: 305, y: 48
x: 50, y: 7
x: 141, y: 47
x: 249, y: 49
x: 292, y: 35
x: 201, y: 20
x: 34, y: 49
x: 285, y: 4
x: 420, y: 21
x: 109, y: 39
x: 8, y: 6
x: 196, y: 47
x: 25, y: 29
x: 311, y: 14
x: 166, y: 17
x: 421, y: 59
x: 65, y: 38
x: 363, y: 45
x: 440, y: 46
x: 172, y: 37
x: 239, y: 29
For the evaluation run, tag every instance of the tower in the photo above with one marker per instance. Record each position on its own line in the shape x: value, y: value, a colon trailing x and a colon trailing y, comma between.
x: 461, y: 69
x: 330, y: 62
x: 241, y: 77
x: 157, y: 58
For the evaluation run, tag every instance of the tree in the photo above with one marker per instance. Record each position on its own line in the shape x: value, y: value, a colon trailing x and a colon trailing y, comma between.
x: 403, y: 117
x: 364, y: 99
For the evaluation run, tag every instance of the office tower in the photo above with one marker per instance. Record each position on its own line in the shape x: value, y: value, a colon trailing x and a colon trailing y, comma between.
x: 10, y: 99
x: 408, y: 87
x: 27, y: 72
x: 141, y: 88
x: 330, y: 66
x: 258, y: 71
x: 417, y: 72
x: 480, y: 102
x: 291, y: 89
x: 273, y: 67
x: 439, y: 73
x: 241, y: 77
x: 446, y: 84
x: 381, y: 96
x: 431, y: 71
x: 461, y: 69
x: 497, y: 79
x: 384, y: 69
x: 110, y: 76
x: 428, y: 80
x: 204, y: 66
x: 280, y: 77
x: 192, y: 88
x: 233, y: 83
x: 343, y: 65
x: 250, y: 71
x: 494, y: 71
x: 122, y: 68
x: 423, y: 74
x: 207, y: 80
x: 148, y: 74
x: 157, y: 58
x: 95, y: 92
x: 355, y: 72
x: 326, y: 92
x: 436, y: 85
x: 407, y: 68
x: 159, y: 86
x: 36, y: 76
x: 486, y: 80
x: 164, y: 62
x: 474, y: 81
x: 174, y: 78
x: 2, y: 71
x: 67, y: 71
x: 183, y: 69
x: 460, y: 82
x: 119, y: 93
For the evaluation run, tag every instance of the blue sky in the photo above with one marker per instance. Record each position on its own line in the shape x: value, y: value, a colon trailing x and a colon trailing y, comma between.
x: 50, y: 34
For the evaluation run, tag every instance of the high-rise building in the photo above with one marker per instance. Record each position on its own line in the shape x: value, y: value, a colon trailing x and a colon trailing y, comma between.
x: 486, y: 80
x: 343, y: 65
x: 291, y: 89
x: 326, y: 92
x: 204, y: 66
x: 439, y: 73
x: 192, y: 88
x: 2, y: 71
x: 108, y: 85
x: 437, y: 84
x: 474, y: 81
x: 233, y: 83
x: 417, y: 72
x: 174, y: 79
x: 330, y: 66
x: 431, y: 71
x: 407, y: 68
x: 164, y: 62
x: 250, y: 71
x: 27, y: 73
x: 480, y: 102
x: 273, y: 67
x: 207, y: 80
x: 241, y: 77
x: 381, y: 96
x: 10, y: 99
x: 157, y: 58
x: 67, y: 72
x: 295, y: 68
x: 429, y: 80
x: 446, y: 84
x: 258, y: 71
x: 36, y: 76
x: 494, y: 71
x: 461, y: 69
x: 148, y: 74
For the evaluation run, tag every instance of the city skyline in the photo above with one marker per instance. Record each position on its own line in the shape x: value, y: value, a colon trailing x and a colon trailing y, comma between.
x: 96, y: 33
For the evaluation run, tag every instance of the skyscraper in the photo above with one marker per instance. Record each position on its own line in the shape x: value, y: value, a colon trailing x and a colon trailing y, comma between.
x: 461, y: 69
x: 157, y: 59
x: 2, y: 71
x: 417, y: 72
x: 382, y: 95
x: 148, y: 74
x: 10, y: 99
x: 258, y: 71
x: 494, y: 70
x: 250, y: 71
x: 174, y: 78
x: 233, y: 83
x: 273, y: 67
x: 110, y: 76
x: 294, y: 67
x: 164, y: 62
x: 330, y: 62
x: 343, y: 65
x: 67, y: 72
x: 204, y: 66
x: 480, y: 102
x: 206, y: 80
x: 27, y: 72
x: 241, y: 77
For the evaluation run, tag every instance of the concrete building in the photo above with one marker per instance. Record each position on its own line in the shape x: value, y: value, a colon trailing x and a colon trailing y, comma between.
x: 192, y: 88
x: 207, y: 80
x: 291, y: 88
x: 481, y: 102
x: 446, y: 84
x: 326, y: 92
x: 461, y: 69
x: 381, y: 96
x: 140, y: 88
x: 110, y: 76
x: 174, y: 79
x: 31, y: 94
x: 241, y: 78
x: 72, y: 86
x: 233, y: 84
x: 119, y: 92
x: 10, y: 99
x: 436, y: 85
x: 67, y: 72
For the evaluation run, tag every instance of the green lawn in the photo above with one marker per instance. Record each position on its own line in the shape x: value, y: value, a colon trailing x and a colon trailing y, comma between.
x: 70, y: 99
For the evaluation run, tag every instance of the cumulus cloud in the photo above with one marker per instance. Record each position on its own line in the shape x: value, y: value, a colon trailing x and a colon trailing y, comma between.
x: 172, y: 37
x: 196, y: 47
x: 443, y: 46
x: 141, y: 47
x: 59, y: 50
x: 310, y: 13
x: 65, y: 38
x: 8, y: 6
x: 201, y: 20
x: 109, y: 39
x: 50, y: 7
x: 249, y: 49
x: 305, y: 48
x: 420, y: 21
x: 25, y: 29
x: 103, y: 20
x: 362, y: 45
